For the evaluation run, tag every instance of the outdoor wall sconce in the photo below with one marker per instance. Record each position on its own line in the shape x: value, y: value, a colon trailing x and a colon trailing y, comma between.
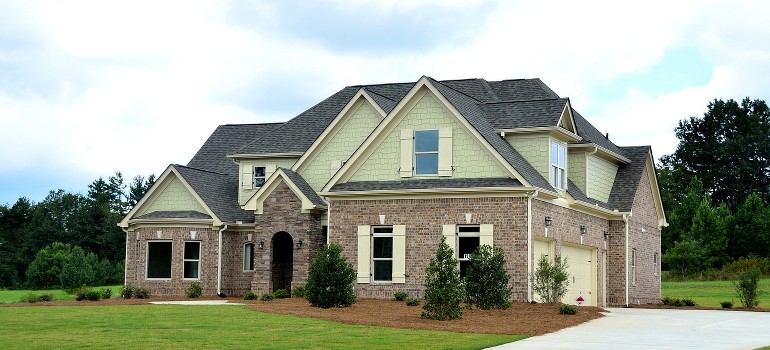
x: 548, y: 221
x: 606, y: 235
x: 261, y: 245
x: 299, y: 244
x: 583, y: 229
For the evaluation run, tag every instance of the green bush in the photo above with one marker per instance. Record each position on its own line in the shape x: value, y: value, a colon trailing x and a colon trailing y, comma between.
x: 298, y: 292
x: 249, y: 296
x: 677, y: 302
x: 550, y: 281
x: 400, y: 296
x: 486, y: 282
x: 194, y: 290
x: 688, y: 302
x: 565, y: 309
x: 330, y: 281
x: 747, y: 287
x: 77, y: 270
x: 105, y: 293
x: 127, y: 292
x: 141, y: 293
x: 413, y: 302
x: 33, y: 298
x: 92, y: 295
x: 726, y: 304
x: 443, y: 289
x: 744, y: 264
x: 281, y: 294
x: 266, y: 297
x: 666, y: 300
x: 45, y: 297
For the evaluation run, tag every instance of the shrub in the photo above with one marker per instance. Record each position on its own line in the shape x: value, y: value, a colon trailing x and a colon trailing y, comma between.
x: 77, y: 270
x: 550, y: 281
x: 726, y: 304
x: 266, y: 297
x: 486, y: 282
x: 688, y: 302
x: 281, y: 294
x: 298, y: 292
x: 400, y: 296
x: 743, y: 264
x: 105, y: 293
x: 92, y: 295
x: 80, y: 293
x: 45, y: 297
x: 43, y: 272
x: 677, y: 302
x: 443, y: 289
x: 194, y: 290
x: 747, y: 287
x: 249, y: 296
x: 666, y: 300
x: 413, y: 302
x: 330, y: 281
x: 127, y: 292
x: 30, y: 298
x: 141, y: 293
x: 565, y: 309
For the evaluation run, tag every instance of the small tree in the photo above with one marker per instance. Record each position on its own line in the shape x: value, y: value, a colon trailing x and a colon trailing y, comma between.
x: 443, y: 289
x: 486, y: 282
x: 330, y: 281
x: 747, y: 287
x: 77, y: 271
x: 550, y: 280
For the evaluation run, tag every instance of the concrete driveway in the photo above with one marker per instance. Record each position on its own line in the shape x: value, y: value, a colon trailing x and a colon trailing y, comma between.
x: 659, y: 329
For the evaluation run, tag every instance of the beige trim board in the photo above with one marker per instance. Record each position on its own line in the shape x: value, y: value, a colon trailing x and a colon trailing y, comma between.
x: 264, y: 155
x: 256, y: 202
x: 557, y: 132
x: 429, y: 193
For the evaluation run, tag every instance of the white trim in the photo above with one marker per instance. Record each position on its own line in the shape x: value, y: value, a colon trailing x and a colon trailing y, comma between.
x: 257, y: 200
x: 184, y: 260
x: 147, y: 260
x: 239, y: 156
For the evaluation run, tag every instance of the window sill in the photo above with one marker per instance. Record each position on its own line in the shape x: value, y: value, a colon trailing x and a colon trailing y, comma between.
x: 157, y: 279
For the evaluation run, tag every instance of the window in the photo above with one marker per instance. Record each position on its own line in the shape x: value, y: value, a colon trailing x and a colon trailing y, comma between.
x: 192, y: 260
x: 382, y: 254
x: 655, y: 263
x: 259, y: 176
x: 248, y: 257
x: 468, y: 239
x: 633, y: 266
x: 426, y: 152
x: 159, y: 259
x: 558, y: 165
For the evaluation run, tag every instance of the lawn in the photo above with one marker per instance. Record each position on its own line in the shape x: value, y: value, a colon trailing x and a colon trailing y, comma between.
x: 179, y: 326
x: 711, y: 293
x: 14, y: 296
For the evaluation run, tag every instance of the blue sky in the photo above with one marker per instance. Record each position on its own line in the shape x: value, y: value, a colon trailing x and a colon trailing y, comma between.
x: 88, y: 88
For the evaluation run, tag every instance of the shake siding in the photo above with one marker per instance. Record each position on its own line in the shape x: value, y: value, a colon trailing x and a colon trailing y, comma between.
x: 174, y: 197
x: 601, y: 176
x: 469, y: 158
x: 577, y: 169
x: 535, y: 150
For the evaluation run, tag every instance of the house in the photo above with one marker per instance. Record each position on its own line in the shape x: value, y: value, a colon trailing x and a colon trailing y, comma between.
x: 386, y: 171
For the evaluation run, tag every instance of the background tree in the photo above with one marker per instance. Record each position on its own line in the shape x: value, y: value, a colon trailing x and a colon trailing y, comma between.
x: 443, y: 289
x: 139, y: 186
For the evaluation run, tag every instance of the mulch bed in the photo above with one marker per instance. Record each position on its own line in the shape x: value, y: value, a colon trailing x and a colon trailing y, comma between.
x: 521, y: 318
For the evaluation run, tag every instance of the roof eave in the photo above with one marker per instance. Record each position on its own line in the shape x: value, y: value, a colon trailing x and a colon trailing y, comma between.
x: 565, y: 134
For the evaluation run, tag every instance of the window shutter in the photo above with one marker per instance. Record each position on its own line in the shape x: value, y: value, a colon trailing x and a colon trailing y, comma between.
x: 399, y: 254
x: 485, y: 234
x: 407, y: 152
x: 269, y: 170
x: 364, y: 240
x: 335, y: 166
x: 445, y: 152
x: 247, y: 176
x: 448, y: 231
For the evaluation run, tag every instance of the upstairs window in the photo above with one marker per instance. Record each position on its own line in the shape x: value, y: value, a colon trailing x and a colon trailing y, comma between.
x: 259, y: 176
x: 426, y: 152
x: 558, y: 166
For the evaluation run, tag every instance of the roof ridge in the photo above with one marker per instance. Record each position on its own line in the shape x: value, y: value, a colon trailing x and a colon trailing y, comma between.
x: 380, y: 84
x: 455, y: 90
x: 530, y: 100
x: 378, y: 94
x: 271, y: 123
x: 489, y: 89
x: 198, y: 169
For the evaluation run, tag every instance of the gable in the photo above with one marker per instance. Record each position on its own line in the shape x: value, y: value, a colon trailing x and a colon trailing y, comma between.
x: 337, y: 146
x: 469, y: 158
x: 310, y: 201
x: 174, y: 196
x: 601, y: 177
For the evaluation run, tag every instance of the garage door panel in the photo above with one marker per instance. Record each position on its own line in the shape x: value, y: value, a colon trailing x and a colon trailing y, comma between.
x: 580, y: 269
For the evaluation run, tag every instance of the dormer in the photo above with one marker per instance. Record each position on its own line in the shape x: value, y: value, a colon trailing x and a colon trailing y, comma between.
x: 255, y: 169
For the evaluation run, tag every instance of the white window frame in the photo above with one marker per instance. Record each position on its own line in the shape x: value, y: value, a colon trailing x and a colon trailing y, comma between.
x: 476, y: 233
x: 633, y: 266
x: 558, y: 170
x: 147, y: 261
x: 436, y: 152
x: 185, y: 260
x: 248, y: 259
x: 382, y: 235
x: 263, y: 177
x: 655, y: 263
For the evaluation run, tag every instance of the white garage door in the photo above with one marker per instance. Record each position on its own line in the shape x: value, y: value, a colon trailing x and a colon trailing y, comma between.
x: 581, y: 270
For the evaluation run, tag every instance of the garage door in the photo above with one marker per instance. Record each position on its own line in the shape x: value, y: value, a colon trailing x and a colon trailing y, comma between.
x: 582, y: 267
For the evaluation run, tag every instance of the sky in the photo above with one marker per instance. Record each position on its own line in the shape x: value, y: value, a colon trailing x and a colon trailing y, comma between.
x: 89, y: 88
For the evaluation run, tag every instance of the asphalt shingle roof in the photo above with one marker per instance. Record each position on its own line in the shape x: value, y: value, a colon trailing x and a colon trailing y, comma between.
x: 627, y: 179
x: 525, y: 114
x: 224, y: 140
x: 591, y: 135
x: 219, y: 191
x: 425, y: 184
x: 303, y: 186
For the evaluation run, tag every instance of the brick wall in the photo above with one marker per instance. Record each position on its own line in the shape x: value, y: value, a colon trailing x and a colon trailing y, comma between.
x: 644, y: 236
x: 424, y: 219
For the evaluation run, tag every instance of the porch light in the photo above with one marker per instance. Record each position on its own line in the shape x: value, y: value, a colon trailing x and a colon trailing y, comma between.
x: 261, y: 245
x: 583, y: 229
x: 299, y: 244
x: 548, y: 221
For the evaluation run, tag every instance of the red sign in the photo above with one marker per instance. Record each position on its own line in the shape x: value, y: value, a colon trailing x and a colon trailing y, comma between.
x: 580, y: 299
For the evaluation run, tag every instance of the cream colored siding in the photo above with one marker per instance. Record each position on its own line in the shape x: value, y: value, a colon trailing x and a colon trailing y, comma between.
x: 175, y: 197
x: 469, y: 158
x: 271, y: 164
x: 534, y: 149
x: 601, y: 176
x: 341, y: 145
x: 577, y: 169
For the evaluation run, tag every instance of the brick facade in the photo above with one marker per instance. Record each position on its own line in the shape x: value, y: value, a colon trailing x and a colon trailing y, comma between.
x: 644, y: 236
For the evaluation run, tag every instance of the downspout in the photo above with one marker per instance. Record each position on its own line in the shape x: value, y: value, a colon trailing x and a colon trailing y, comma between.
x: 529, y: 243
x: 625, y: 219
x: 219, y: 263
x: 125, y: 262
x: 328, y: 222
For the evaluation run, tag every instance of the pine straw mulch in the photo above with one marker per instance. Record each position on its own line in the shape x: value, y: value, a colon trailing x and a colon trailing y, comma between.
x: 520, y: 318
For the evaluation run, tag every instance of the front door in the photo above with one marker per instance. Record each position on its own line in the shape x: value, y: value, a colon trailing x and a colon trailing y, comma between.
x: 282, y: 261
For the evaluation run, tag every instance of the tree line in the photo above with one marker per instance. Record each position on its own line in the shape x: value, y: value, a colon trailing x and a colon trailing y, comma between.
x: 715, y: 188
x: 68, y: 231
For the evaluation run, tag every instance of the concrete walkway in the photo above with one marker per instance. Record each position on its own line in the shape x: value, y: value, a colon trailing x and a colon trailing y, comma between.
x: 659, y: 329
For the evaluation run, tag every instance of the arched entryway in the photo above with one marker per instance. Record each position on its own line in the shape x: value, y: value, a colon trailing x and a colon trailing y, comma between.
x: 282, y: 261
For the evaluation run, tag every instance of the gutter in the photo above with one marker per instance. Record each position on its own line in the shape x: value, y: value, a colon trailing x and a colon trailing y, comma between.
x: 625, y: 219
x: 219, y: 263
x: 125, y: 261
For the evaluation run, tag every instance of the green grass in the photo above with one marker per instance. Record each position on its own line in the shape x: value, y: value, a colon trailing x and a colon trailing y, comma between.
x: 711, y: 293
x: 14, y: 296
x: 180, y: 326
